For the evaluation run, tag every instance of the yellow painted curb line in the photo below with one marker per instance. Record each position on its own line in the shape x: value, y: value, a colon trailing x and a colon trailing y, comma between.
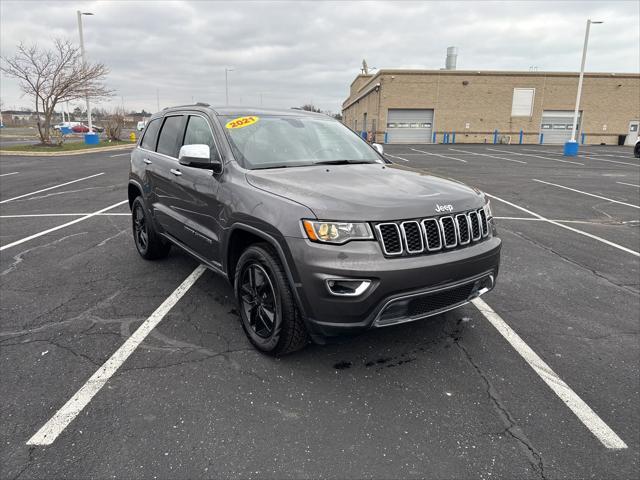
x: 64, y: 154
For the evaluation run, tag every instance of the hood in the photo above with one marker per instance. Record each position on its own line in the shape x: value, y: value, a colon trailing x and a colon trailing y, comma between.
x: 368, y: 192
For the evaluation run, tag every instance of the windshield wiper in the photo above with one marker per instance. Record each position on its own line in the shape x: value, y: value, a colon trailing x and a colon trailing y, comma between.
x: 340, y: 162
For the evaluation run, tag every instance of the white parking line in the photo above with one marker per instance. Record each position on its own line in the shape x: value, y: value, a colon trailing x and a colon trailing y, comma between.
x: 120, y: 155
x: 438, y: 155
x: 553, y: 222
x: 487, y: 155
x: 400, y: 158
x: 589, y: 157
x: 581, y: 222
x: 7, y: 174
x: 587, y: 416
x: 70, y: 410
x: 72, y: 222
x: 531, y: 155
x: 36, y: 215
x: 586, y: 193
x: 51, y: 188
x: 629, y: 184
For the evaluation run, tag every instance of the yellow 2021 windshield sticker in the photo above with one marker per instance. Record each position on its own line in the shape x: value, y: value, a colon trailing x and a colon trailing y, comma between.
x: 242, y: 122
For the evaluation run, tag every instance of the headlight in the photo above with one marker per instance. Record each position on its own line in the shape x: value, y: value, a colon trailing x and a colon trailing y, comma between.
x: 336, y: 232
x: 487, y: 209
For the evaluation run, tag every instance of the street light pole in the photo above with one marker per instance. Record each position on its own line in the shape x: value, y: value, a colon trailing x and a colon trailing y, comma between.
x: 571, y: 147
x: 226, y: 82
x: 84, y: 63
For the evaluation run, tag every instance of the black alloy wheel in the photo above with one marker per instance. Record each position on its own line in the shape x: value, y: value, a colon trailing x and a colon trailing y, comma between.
x: 149, y: 243
x: 266, y: 304
x: 140, y: 232
x: 258, y: 300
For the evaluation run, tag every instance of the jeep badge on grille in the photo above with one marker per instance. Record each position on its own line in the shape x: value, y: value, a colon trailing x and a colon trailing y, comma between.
x: 444, y: 208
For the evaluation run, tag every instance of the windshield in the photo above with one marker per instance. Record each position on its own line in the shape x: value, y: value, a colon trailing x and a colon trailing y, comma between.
x: 290, y: 141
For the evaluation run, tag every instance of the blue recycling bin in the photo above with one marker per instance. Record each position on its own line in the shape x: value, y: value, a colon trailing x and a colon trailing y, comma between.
x: 91, y: 138
x: 571, y: 148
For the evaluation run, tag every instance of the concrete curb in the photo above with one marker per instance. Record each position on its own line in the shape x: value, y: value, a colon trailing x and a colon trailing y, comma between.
x: 64, y: 154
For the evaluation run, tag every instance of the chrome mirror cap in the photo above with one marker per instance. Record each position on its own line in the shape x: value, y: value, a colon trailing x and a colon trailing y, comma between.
x: 197, y: 153
x: 379, y: 148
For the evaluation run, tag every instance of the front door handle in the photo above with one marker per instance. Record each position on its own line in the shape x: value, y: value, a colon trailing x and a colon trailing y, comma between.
x: 147, y: 161
x: 176, y: 172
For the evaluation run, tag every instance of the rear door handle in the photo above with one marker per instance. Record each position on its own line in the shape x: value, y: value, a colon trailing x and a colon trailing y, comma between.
x: 147, y: 161
x: 176, y: 172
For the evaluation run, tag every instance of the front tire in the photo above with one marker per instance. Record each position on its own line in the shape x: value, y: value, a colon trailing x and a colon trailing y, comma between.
x: 150, y: 245
x: 636, y: 151
x: 267, y: 308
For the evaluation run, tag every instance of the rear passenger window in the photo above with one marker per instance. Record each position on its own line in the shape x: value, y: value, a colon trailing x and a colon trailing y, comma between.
x: 150, y: 135
x: 198, y: 133
x: 168, y: 141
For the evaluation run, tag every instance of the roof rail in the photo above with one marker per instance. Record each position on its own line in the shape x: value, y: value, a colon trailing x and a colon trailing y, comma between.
x: 199, y: 104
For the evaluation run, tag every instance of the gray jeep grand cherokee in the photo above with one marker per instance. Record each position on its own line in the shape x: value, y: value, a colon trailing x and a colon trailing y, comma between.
x: 318, y: 232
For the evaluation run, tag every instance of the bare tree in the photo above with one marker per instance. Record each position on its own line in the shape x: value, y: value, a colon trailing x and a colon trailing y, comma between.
x: 115, y: 123
x: 52, y: 76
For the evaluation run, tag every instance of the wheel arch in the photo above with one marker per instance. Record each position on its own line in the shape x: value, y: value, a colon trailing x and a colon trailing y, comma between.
x: 134, y: 190
x: 240, y: 237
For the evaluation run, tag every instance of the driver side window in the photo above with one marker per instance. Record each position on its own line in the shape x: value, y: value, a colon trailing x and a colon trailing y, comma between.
x: 199, y: 133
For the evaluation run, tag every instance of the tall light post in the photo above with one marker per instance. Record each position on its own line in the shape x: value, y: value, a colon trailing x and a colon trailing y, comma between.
x: 226, y: 82
x: 84, y: 62
x: 571, y: 147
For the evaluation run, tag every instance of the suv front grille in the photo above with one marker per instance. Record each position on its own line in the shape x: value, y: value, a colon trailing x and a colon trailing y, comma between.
x: 432, y: 234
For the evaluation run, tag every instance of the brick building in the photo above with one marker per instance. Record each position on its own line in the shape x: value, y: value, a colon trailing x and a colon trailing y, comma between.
x: 421, y: 106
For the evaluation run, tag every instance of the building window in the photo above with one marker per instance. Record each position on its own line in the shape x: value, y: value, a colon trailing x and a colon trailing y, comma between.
x: 522, y: 105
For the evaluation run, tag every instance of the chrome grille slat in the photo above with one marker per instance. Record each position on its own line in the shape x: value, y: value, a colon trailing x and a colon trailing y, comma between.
x: 432, y: 234
x: 476, y: 229
x: 412, y: 235
x: 462, y: 229
x: 390, y: 238
x: 449, y: 235
x: 483, y: 222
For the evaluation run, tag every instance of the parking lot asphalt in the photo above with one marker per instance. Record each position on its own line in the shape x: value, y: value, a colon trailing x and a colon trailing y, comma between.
x: 454, y: 396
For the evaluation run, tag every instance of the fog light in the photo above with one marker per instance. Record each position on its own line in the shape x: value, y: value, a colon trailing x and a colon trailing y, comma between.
x: 347, y: 287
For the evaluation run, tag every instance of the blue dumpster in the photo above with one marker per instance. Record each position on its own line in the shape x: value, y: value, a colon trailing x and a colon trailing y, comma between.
x: 571, y: 149
x: 65, y: 130
x: 91, y: 138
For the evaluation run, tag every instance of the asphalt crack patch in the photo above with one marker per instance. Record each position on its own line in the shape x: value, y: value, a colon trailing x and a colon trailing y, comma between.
x: 511, y: 427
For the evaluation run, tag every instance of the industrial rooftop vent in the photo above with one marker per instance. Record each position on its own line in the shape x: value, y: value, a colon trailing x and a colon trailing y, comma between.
x: 452, y: 57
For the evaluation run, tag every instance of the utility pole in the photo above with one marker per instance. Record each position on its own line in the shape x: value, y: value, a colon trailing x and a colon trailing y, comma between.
x: 571, y: 147
x: 84, y: 63
x: 226, y: 82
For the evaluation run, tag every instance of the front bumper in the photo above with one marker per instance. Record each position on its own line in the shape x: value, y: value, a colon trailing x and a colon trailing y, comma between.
x: 401, y: 289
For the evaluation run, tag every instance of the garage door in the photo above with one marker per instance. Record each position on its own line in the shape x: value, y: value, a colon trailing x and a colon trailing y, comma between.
x: 409, y: 125
x: 556, y: 126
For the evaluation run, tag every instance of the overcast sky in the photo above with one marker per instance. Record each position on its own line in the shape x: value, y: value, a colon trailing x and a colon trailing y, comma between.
x: 293, y: 53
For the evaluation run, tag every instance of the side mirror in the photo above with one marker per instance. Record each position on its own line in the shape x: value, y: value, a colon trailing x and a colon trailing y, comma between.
x: 199, y: 156
x: 379, y: 148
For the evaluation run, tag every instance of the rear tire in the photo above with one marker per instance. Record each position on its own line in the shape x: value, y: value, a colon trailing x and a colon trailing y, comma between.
x: 636, y: 151
x: 150, y: 245
x: 267, y: 308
